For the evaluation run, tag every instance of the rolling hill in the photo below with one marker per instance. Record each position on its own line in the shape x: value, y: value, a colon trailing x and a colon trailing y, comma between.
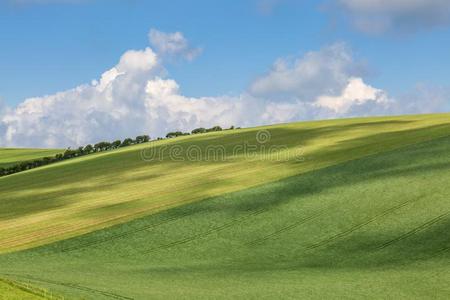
x: 356, y: 208
x: 12, y: 156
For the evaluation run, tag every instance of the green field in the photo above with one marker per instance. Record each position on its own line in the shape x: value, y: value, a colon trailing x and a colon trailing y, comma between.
x: 12, y: 156
x: 364, y: 213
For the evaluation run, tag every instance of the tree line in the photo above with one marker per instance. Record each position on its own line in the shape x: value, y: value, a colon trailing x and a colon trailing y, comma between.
x: 197, y: 131
x: 99, y: 147
x: 71, y: 153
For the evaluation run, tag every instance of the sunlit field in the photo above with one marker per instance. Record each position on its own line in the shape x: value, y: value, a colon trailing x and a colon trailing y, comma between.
x: 341, y: 208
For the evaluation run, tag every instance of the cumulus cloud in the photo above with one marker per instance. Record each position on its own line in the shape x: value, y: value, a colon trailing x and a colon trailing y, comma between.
x: 172, y: 44
x: 320, y: 84
x: 129, y: 99
x: 377, y: 16
x: 317, y: 72
x: 135, y: 97
x: 85, y: 113
x: 356, y: 92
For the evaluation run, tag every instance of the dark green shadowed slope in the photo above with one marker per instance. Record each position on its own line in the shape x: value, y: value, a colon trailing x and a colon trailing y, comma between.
x: 377, y: 227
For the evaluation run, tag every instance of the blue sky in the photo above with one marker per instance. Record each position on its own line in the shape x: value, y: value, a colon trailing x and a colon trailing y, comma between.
x: 50, y: 46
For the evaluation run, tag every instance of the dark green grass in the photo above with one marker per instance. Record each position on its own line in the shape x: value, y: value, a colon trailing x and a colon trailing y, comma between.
x: 377, y: 227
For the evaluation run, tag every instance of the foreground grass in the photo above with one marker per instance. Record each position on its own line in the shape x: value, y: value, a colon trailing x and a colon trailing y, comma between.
x: 13, y: 156
x: 93, y: 192
x: 375, y: 227
x: 10, y: 291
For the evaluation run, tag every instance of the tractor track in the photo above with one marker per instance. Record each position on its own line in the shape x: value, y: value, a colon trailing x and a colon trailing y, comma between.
x: 120, y: 235
x: 285, y: 228
x: 72, y: 285
x: 356, y: 227
x: 415, y: 230
x: 208, y: 232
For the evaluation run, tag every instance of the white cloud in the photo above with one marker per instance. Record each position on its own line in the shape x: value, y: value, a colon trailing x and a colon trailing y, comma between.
x: 377, y: 16
x: 318, y: 72
x: 134, y: 98
x: 137, y: 61
x: 172, y: 44
x: 355, y: 93
x: 112, y: 107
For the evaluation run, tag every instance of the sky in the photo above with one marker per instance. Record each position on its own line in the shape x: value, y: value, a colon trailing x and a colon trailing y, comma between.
x: 74, y: 72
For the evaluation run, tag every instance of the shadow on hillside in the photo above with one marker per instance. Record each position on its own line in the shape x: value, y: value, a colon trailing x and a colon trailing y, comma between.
x: 85, y: 172
x: 356, y: 250
x: 402, y: 162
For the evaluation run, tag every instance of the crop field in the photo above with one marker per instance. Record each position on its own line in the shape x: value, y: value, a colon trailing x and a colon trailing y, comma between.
x: 355, y: 208
x: 12, y: 156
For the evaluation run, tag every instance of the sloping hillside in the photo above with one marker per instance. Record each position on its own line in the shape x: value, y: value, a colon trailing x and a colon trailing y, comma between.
x: 84, y: 194
x: 12, y: 156
x: 375, y: 227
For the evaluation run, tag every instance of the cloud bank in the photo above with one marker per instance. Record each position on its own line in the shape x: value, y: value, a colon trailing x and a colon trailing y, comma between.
x: 378, y: 16
x: 135, y: 97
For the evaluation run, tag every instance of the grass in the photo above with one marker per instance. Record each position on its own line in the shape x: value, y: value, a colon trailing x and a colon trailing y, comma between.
x: 374, y: 227
x: 13, y: 156
x: 80, y: 195
x: 11, y: 291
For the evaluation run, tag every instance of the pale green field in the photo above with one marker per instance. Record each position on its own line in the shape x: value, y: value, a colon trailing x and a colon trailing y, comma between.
x: 84, y: 194
x: 12, y: 156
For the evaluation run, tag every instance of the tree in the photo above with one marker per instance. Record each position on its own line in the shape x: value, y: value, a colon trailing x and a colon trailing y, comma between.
x: 88, y: 149
x: 69, y: 153
x: 47, y: 160
x: 102, y: 146
x: 126, y: 142
x: 116, y: 144
x: 175, y: 134
x: 215, y: 128
x: 198, y: 130
x: 142, y: 139
x: 78, y: 152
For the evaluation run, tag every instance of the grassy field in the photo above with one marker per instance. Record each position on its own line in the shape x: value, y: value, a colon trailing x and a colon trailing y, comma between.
x: 10, y: 291
x: 376, y: 227
x: 80, y: 195
x: 12, y: 156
